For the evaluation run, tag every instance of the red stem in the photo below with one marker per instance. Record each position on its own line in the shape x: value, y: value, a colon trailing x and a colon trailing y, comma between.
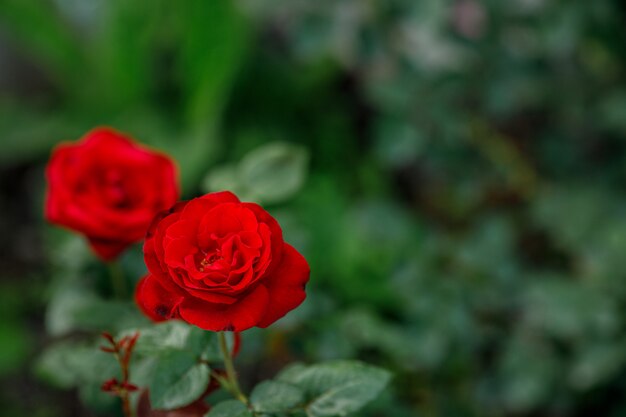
x: 128, y: 412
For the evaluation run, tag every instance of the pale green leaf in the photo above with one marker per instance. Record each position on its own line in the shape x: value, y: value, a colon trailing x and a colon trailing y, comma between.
x: 179, y: 336
x: 230, y: 408
x: 346, y: 398
x: 338, y: 387
x: 275, y: 396
x: 178, y: 380
x: 274, y: 172
x: 69, y: 364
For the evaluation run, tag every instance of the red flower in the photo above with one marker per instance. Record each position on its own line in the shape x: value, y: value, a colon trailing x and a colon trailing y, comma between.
x: 220, y: 264
x: 108, y: 188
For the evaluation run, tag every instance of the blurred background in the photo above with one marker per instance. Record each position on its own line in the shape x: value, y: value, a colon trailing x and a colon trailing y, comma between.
x: 454, y: 171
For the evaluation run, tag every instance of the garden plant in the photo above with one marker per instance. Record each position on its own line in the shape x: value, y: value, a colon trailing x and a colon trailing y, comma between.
x: 382, y: 208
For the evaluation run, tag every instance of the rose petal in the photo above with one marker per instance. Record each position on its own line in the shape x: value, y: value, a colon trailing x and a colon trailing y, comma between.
x: 211, y: 297
x: 176, y: 252
x: 226, y: 219
x: 276, y: 233
x: 155, y: 301
x: 153, y: 251
x: 239, y: 316
x: 286, y: 285
x: 198, y: 207
x: 220, y: 197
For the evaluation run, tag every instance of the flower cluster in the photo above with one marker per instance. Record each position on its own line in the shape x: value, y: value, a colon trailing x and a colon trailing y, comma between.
x: 214, y: 261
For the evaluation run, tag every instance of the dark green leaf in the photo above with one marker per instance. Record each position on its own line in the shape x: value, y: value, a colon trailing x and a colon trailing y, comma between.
x: 275, y: 396
x: 177, y: 380
x: 339, y: 387
x: 68, y: 364
x: 317, y: 379
x: 74, y: 307
x: 230, y: 408
x: 291, y: 372
x: 346, y: 398
x: 169, y: 335
x: 179, y: 336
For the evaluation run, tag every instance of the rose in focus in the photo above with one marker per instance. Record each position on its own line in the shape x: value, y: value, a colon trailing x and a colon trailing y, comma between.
x: 220, y: 264
x: 109, y: 189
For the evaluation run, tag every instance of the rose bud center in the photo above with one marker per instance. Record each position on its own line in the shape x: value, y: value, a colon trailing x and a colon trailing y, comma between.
x: 209, y: 260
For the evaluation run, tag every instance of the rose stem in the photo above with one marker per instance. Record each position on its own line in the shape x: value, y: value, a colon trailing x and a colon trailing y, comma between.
x: 128, y: 410
x: 231, y: 375
x: 117, y: 279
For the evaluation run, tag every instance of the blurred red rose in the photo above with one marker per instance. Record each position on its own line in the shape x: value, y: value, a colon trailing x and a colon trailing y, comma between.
x: 109, y: 189
x: 220, y: 264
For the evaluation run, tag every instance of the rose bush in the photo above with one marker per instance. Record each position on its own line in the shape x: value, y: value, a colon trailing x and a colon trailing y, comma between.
x: 220, y: 264
x: 109, y: 189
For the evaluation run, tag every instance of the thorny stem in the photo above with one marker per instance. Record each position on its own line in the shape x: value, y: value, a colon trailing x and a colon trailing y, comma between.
x: 122, y: 350
x: 128, y: 410
x: 117, y: 279
x: 232, y: 384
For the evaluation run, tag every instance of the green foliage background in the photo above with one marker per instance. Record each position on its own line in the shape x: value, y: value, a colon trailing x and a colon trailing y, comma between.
x: 453, y: 170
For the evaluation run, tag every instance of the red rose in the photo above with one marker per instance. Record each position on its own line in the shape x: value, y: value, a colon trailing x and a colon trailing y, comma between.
x: 220, y: 264
x: 108, y: 188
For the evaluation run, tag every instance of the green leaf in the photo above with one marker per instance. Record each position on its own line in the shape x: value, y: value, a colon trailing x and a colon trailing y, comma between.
x: 346, y: 398
x: 338, y: 387
x: 69, y: 364
x: 271, y: 173
x: 230, y: 408
x: 142, y: 368
x: 108, y: 315
x: 205, y: 343
x: 74, y: 307
x: 274, y: 172
x: 175, y: 335
x: 178, y: 380
x: 275, y: 396
x: 169, y: 335
x: 210, y: 350
x: 291, y: 372
x: 225, y: 177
